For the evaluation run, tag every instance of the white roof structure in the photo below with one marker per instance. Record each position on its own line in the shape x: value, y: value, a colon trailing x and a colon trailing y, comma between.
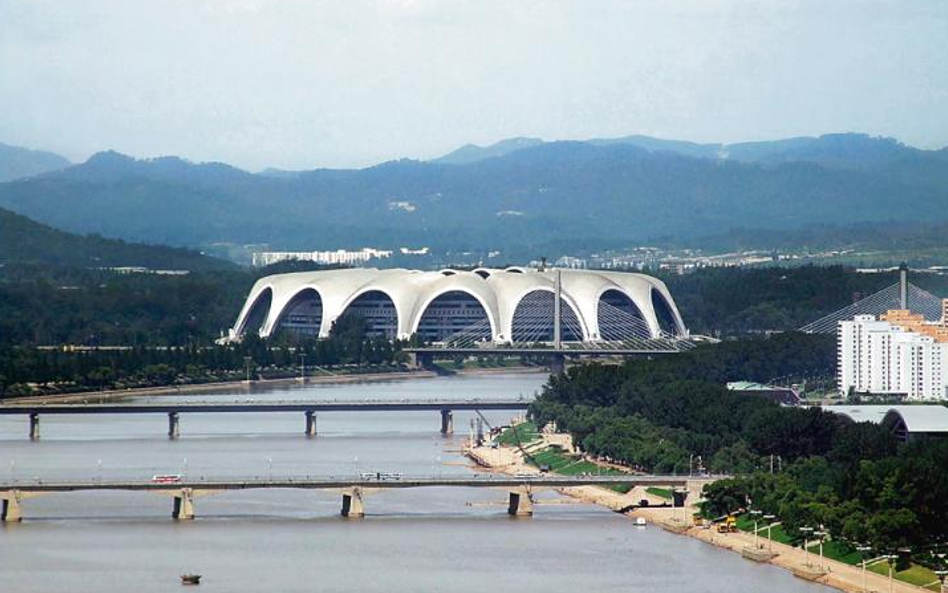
x: 921, y: 419
x: 495, y: 305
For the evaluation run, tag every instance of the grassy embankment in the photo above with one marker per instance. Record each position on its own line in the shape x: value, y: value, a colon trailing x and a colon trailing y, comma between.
x: 915, y: 574
x: 563, y: 463
x: 558, y: 460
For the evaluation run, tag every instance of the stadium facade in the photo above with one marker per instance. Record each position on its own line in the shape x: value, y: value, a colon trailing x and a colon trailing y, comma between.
x: 499, y: 306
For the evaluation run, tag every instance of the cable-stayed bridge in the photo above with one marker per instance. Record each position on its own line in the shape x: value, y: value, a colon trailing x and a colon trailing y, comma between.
x: 910, y: 297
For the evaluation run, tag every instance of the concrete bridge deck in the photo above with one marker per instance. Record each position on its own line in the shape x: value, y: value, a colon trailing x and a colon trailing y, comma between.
x: 266, y: 406
x: 331, y: 482
x: 354, y: 488
x: 308, y: 408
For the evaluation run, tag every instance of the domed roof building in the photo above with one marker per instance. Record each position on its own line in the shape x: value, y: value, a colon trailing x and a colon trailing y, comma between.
x: 509, y: 306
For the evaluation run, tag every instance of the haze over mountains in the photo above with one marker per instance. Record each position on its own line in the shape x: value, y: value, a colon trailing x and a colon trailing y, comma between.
x: 514, y: 195
x: 17, y: 162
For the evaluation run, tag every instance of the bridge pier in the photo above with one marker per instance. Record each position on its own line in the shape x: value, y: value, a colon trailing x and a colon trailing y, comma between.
x: 11, y: 508
x: 520, y: 504
x: 557, y: 364
x: 352, y: 506
x: 310, y: 423
x: 421, y: 360
x: 34, y: 426
x: 174, y: 429
x: 447, y: 422
x: 183, y: 505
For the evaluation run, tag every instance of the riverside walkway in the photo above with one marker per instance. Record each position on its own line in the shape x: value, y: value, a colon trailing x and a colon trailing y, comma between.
x: 308, y: 408
x: 353, y: 488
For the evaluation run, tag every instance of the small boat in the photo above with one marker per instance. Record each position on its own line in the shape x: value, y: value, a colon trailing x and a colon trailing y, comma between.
x: 190, y: 579
x: 640, y: 522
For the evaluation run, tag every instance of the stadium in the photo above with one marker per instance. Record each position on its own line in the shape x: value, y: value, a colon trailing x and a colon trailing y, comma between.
x: 466, y: 308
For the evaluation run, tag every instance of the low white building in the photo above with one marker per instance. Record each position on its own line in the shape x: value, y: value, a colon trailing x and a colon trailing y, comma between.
x: 900, y: 354
x: 337, y: 257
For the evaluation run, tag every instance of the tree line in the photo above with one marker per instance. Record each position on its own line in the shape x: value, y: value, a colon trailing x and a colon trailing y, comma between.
x: 28, y: 370
x: 675, y: 415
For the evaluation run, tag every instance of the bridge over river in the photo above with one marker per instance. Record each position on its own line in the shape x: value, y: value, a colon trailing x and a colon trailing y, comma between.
x: 353, y: 488
x: 308, y: 408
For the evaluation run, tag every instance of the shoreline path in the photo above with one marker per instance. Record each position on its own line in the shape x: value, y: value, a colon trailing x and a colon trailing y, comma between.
x: 835, y: 574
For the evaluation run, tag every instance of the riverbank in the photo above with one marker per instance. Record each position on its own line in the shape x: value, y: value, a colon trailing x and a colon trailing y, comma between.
x: 230, y: 386
x: 831, y: 573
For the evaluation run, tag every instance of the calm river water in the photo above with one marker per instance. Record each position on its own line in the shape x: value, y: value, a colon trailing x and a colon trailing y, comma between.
x: 420, y: 540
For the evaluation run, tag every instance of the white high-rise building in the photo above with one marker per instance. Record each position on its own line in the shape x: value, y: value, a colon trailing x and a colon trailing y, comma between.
x: 900, y: 354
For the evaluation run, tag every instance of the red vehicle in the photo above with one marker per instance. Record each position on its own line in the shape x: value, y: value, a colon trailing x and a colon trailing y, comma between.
x: 166, y: 478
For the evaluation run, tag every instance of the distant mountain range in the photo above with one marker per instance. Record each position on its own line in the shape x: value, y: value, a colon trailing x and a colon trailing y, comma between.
x: 24, y: 241
x: 837, y: 150
x: 16, y: 162
x: 516, y: 196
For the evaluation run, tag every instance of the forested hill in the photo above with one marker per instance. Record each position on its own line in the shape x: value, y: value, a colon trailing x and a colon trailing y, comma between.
x: 24, y: 241
x: 16, y: 162
x: 569, y: 194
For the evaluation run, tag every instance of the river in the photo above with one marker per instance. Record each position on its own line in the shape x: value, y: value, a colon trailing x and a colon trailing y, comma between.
x: 417, y: 540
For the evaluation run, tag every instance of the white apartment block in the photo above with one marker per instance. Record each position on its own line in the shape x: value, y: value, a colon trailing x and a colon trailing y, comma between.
x: 900, y: 354
x: 339, y: 256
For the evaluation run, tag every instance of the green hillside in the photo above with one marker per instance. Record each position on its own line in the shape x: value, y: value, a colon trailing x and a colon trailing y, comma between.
x: 24, y: 241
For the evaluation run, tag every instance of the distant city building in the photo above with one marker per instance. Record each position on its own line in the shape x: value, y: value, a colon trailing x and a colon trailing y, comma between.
x: 573, y: 263
x: 410, y: 251
x: 144, y: 270
x: 786, y: 396
x: 899, y: 354
x: 338, y: 257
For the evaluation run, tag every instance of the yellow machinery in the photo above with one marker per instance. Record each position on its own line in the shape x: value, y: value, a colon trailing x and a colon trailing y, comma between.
x: 728, y: 525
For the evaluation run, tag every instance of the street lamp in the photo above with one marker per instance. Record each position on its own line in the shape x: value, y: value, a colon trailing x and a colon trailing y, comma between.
x: 806, y: 543
x: 269, y: 469
x: 770, y: 523
x: 247, y: 360
x: 821, y: 535
x: 862, y: 552
x: 98, y: 463
x: 756, y: 514
x: 13, y: 471
x: 941, y: 574
x: 891, y: 561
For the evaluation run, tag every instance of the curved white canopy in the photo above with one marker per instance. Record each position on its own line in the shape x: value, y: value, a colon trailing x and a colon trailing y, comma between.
x: 498, y: 292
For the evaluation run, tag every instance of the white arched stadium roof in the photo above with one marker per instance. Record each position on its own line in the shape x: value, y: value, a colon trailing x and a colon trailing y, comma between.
x: 411, y: 291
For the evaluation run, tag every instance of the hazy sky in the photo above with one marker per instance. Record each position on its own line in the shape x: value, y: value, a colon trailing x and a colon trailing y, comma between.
x: 307, y: 83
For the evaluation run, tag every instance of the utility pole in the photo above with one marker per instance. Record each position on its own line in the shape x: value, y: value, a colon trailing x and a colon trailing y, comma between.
x: 903, y: 286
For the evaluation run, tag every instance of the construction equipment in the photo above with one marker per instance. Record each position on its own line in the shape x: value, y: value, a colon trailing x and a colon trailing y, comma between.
x: 728, y: 525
